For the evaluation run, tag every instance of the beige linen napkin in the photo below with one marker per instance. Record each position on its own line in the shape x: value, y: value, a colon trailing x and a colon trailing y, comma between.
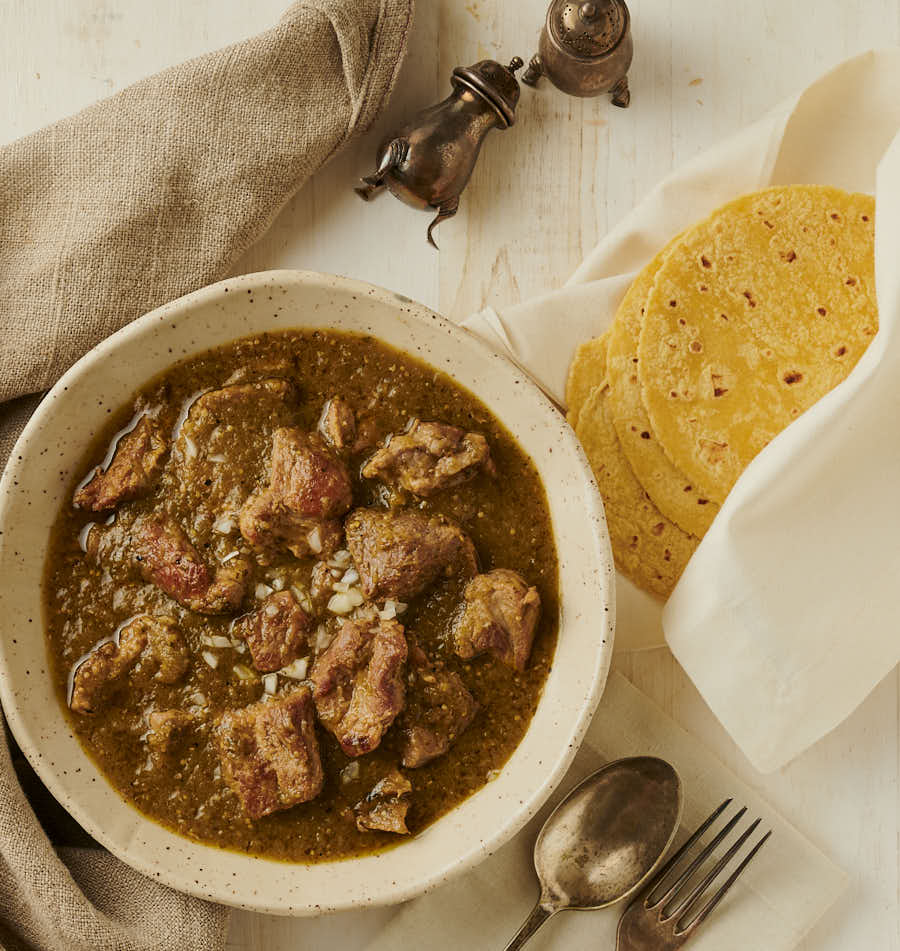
x: 153, y: 193
x: 82, y: 899
x: 781, y: 895
x: 103, y: 216
x: 785, y: 616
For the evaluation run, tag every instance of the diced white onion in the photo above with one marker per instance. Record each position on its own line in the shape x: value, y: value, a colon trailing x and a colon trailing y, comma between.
x: 315, y: 539
x: 277, y: 583
x: 243, y: 672
x: 210, y: 659
x: 340, y: 559
x: 216, y: 640
x: 345, y: 601
x: 340, y: 603
x: 340, y: 586
x: 216, y: 458
x: 297, y: 669
x: 229, y: 556
x: 270, y: 683
x: 389, y: 611
x: 224, y: 525
x: 198, y: 698
x: 323, y: 638
x: 351, y: 576
x: 350, y: 772
x: 302, y: 598
x: 262, y: 591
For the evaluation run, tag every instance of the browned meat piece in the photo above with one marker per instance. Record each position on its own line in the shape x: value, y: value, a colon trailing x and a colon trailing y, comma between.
x: 227, y: 432
x: 276, y: 633
x: 134, y: 469
x: 167, y: 729
x: 308, y: 491
x: 100, y: 672
x: 386, y: 806
x: 167, y: 646
x: 269, y: 753
x: 267, y: 525
x: 429, y: 457
x: 500, y: 616
x: 338, y: 424
x: 167, y: 558
x: 399, y: 553
x: 225, y: 594
x: 358, y: 683
x: 167, y: 659
x: 367, y: 434
x: 439, y: 708
x: 307, y: 479
x: 238, y: 396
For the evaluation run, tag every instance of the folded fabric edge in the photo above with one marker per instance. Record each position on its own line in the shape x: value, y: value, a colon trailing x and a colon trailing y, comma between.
x: 387, y: 53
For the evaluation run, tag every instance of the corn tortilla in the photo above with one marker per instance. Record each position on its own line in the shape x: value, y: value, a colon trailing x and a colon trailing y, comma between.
x: 587, y: 370
x: 669, y: 488
x: 755, y: 314
x: 648, y: 548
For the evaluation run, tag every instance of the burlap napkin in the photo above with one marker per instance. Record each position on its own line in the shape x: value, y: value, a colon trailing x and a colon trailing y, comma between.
x: 104, y: 216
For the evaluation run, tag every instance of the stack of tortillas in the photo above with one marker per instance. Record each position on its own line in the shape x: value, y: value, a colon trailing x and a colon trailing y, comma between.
x: 735, y: 328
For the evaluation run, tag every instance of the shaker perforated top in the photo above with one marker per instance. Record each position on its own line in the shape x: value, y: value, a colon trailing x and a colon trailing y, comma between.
x: 589, y: 29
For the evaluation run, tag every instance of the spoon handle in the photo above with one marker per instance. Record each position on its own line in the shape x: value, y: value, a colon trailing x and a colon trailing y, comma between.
x: 537, y: 917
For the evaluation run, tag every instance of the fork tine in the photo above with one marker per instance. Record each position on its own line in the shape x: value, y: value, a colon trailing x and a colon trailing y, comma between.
x: 659, y: 877
x: 681, y: 910
x: 704, y: 854
x: 720, y: 894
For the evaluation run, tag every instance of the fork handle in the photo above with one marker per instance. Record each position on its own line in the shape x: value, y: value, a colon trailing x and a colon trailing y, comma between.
x: 537, y: 917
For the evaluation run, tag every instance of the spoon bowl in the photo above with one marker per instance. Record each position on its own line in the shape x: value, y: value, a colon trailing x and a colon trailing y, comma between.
x: 605, y: 839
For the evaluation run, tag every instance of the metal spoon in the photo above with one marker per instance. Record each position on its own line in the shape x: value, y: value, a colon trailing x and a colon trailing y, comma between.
x: 603, y: 841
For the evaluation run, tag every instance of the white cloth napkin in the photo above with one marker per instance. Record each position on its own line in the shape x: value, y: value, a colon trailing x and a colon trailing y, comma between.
x: 782, y: 894
x: 785, y: 616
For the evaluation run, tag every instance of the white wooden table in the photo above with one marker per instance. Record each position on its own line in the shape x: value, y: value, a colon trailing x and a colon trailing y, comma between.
x: 543, y: 194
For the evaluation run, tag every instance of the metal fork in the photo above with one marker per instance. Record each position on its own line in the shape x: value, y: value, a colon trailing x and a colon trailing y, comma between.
x: 664, y: 920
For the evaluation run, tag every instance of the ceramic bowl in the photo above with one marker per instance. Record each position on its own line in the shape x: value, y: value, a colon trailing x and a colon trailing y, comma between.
x: 37, y: 478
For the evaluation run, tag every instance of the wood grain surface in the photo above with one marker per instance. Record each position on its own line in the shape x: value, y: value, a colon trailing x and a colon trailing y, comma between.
x: 543, y: 194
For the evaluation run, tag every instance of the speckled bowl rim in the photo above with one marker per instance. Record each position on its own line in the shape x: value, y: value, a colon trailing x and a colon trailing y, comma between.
x: 439, y: 852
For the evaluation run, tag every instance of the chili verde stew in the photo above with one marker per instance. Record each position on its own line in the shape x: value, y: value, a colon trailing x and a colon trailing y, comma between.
x: 307, y: 601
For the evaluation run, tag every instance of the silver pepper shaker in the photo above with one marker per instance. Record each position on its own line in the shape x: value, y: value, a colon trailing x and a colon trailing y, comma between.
x: 428, y: 161
x: 585, y: 49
